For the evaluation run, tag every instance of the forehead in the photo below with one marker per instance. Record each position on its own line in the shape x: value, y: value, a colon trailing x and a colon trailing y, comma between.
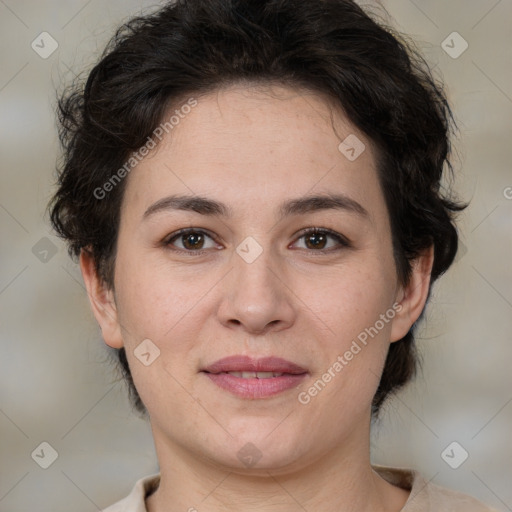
x: 254, y: 143
x: 278, y: 116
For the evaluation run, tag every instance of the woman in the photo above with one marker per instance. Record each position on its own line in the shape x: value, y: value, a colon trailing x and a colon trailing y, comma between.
x: 253, y: 190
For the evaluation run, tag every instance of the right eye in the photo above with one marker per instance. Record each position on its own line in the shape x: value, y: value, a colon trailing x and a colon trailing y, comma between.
x: 192, y: 240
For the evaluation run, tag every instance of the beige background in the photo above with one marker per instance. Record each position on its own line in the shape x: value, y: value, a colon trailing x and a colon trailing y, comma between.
x: 56, y: 384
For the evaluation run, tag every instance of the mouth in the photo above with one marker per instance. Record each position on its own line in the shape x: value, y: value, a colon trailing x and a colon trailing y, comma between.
x: 251, y: 378
x: 255, y: 375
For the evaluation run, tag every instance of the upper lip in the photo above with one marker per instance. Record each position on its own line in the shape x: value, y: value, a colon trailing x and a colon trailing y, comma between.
x: 239, y: 363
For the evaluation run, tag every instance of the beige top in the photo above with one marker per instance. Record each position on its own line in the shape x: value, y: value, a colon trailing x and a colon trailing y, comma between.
x: 425, y: 496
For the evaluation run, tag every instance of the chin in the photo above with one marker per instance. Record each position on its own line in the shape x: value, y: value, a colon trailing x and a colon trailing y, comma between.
x: 260, y: 444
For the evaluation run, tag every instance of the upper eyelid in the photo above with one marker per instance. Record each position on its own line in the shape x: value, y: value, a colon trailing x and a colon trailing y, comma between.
x: 186, y: 231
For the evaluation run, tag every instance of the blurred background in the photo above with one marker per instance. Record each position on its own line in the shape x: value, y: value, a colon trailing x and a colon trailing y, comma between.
x: 56, y: 383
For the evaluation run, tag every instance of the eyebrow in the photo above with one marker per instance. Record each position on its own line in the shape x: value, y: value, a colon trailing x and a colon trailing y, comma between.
x: 301, y: 205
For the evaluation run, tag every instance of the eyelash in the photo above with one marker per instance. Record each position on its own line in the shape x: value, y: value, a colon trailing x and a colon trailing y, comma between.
x: 343, y: 242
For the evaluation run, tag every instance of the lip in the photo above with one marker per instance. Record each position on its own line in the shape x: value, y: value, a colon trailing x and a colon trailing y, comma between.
x: 241, y: 363
x: 254, y: 388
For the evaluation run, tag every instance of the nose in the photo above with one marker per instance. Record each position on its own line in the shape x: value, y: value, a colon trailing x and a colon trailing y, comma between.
x: 257, y: 295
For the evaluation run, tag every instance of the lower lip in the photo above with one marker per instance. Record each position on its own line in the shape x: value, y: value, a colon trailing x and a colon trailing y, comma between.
x: 255, y: 388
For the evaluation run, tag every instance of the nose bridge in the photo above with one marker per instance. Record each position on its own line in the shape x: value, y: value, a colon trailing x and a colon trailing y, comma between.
x: 257, y: 293
x: 255, y: 268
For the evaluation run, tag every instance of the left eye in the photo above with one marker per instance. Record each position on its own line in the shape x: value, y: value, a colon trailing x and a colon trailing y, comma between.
x: 191, y: 239
x: 316, y: 239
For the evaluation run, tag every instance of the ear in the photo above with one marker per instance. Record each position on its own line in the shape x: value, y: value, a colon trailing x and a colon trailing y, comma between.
x: 413, y: 296
x: 102, y: 301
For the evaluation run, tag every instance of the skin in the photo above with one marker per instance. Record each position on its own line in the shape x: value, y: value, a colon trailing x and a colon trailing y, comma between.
x: 253, y: 148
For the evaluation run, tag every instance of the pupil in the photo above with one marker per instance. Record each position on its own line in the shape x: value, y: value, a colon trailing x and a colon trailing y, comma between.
x: 319, y: 235
x: 195, y: 237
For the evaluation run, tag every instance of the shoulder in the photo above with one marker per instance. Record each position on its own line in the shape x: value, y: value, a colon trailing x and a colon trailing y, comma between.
x: 440, y: 498
x: 426, y: 496
x: 135, y: 501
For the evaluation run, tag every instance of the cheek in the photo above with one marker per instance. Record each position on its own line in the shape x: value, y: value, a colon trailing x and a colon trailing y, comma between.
x: 354, y: 297
x: 162, y: 308
x: 357, y: 306
x: 155, y: 299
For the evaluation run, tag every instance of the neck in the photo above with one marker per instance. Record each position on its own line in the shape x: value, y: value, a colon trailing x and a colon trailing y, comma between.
x: 339, y: 481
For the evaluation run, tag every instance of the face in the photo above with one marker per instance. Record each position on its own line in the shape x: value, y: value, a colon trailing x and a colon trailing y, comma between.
x: 269, y: 273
